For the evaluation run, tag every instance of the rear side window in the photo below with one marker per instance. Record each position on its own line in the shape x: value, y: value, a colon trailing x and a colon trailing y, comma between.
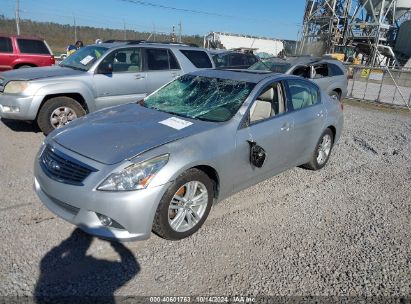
x: 29, y: 46
x: 5, y: 45
x: 160, y: 60
x: 199, y: 59
x: 334, y: 70
x: 303, y: 94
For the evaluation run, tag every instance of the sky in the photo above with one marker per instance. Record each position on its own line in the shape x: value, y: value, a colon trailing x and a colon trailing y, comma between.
x: 269, y: 18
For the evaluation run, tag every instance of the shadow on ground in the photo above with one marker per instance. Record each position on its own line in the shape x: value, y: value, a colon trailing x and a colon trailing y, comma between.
x: 21, y: 125
x: 67, y: 274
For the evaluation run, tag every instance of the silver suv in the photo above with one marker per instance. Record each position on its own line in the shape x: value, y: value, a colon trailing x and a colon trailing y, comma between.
x: 95, y: 77
x: 328, y: 74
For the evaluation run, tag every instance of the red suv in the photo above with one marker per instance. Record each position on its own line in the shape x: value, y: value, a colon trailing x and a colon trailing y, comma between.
x: 23, y: 52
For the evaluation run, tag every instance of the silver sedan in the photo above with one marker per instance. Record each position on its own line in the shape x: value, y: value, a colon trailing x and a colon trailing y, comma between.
x: 161, y: 163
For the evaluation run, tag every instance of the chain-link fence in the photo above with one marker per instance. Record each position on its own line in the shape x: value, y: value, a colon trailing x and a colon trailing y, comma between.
x: 380, y: 85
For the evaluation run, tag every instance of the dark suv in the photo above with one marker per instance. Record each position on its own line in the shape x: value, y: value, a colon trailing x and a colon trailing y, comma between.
x: 232, y: 59
x: 23, y: 52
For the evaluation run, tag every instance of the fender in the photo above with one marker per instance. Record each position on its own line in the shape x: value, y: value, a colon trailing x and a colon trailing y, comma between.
x: 66, y: 87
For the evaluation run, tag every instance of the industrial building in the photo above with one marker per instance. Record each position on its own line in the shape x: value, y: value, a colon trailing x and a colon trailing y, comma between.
x: 260, y: 45
x: 374, y: 31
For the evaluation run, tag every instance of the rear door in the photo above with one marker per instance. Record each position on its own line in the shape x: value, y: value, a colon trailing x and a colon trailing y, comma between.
x: 125, y: 83
x: 309, y: 116
x: 270, y: 126
x: 6, y: 54
x: 160, y: 66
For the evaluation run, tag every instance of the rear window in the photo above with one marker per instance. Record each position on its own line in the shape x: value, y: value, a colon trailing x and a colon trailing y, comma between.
x: 335, y: 70
x: 30, y: 46
x: 5, y: 45
x: 199, y: 59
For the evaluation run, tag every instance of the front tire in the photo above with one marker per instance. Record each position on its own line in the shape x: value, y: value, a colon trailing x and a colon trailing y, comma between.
x: 322, y: 151
x: 185, y: 206
x: 57, y: 112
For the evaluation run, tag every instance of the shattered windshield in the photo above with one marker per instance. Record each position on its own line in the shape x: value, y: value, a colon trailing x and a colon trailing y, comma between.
x: 272, y: 66
x: 204, y: 98
x: 84, y: 58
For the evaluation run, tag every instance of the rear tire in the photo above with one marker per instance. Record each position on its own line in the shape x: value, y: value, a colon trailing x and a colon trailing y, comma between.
x: 24, y: 66
x: 57, y: 112
x: 178, y: 204
x: 322, y: 151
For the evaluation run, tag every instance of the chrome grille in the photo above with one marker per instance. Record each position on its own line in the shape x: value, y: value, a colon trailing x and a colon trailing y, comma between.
x: 63, y: 168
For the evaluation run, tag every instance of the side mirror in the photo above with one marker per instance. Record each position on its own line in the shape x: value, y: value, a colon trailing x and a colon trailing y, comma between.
x: 105, y: 68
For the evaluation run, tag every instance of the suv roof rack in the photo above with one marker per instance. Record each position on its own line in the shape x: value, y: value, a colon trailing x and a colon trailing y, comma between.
x: 124, y: 41
x: 149, y: 42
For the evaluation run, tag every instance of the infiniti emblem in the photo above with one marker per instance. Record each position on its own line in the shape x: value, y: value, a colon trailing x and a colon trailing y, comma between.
x: 51, y: 164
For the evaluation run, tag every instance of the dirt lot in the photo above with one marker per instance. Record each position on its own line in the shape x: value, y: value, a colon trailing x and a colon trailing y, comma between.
x: 344, y: 230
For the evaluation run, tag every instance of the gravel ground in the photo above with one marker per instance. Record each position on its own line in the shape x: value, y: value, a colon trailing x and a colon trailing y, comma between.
x: 341, y: 231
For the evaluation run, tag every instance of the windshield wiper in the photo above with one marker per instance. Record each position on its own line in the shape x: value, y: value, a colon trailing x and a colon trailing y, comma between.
x: 72, y: 67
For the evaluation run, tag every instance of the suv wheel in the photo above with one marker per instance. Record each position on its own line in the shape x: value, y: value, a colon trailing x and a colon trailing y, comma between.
x: 57, y: 112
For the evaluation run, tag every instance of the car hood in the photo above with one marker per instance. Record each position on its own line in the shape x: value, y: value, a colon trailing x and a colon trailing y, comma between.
x: 112, y: 135
x: 37, y: 73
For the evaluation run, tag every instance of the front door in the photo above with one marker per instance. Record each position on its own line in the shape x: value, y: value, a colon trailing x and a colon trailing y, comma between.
x: 119, y: 78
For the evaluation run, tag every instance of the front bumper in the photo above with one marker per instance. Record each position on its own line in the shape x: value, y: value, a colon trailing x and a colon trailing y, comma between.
x: 80, y: 205
x: 19, y: 107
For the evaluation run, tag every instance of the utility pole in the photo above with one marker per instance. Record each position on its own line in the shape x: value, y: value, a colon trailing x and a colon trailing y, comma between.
x: 18, y: 16
x: 180, y: 31
x: 75, y: 29
x: 125, y: 30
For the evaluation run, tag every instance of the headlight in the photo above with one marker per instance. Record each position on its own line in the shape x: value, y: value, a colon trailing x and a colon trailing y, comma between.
x: 134, y: 177
x: 15, y: 87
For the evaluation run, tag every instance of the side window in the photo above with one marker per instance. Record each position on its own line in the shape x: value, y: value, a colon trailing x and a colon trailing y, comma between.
x: 124, y: 60
x: 303, y: 94
x: 269, y: 103
x: 302, y: 71
x: 157, y: 59
x: 199, y: 59
x: 173, y: 61
x: 237, y: 59
x: 320, y: 71
x: 29, y: 46
x: 5, y: 45
x: 334, y: 70
x: 251, y: 59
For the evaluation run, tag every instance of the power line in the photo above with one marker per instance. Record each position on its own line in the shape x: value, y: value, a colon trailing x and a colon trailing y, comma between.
x: 150, y: 4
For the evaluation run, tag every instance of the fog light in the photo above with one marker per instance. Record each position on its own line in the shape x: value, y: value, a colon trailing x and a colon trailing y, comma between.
x: 10, y: 109
x: 105, y: 220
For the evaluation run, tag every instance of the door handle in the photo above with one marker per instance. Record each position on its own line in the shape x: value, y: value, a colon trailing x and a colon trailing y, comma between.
x: 140, y: 77
x: 285, y: 127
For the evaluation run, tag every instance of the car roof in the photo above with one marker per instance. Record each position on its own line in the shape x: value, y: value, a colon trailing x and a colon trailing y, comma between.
x: 237, y: 75
x: 301, y: 60
x: 21, y: 36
